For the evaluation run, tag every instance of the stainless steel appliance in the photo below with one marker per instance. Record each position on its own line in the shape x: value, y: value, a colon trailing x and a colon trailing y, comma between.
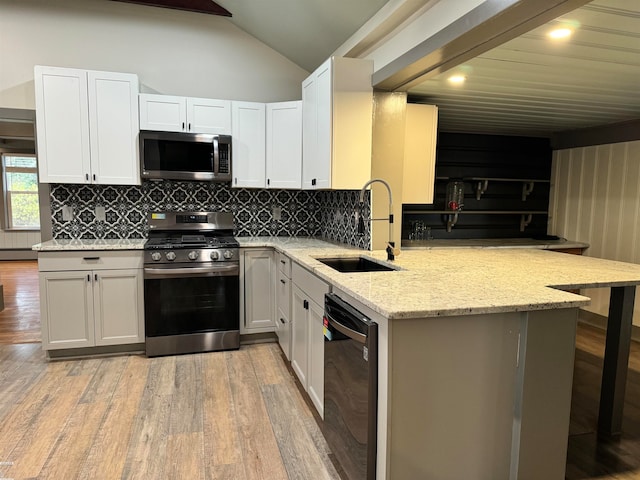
x: 185, y: 156
x: 191, y: 283
x: 350, y: 388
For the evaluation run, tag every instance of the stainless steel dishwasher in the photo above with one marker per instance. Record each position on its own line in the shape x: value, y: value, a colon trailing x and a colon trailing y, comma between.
x: 350, y: 388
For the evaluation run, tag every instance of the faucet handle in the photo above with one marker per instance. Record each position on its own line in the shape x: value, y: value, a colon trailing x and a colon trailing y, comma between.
x: 392, y: 251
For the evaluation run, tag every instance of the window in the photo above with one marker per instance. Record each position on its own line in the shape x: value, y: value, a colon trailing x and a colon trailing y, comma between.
x: 21, y: 191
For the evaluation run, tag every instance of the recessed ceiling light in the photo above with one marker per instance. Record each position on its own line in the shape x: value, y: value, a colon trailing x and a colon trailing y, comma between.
x: 456, y: 79
x: 560, y: 33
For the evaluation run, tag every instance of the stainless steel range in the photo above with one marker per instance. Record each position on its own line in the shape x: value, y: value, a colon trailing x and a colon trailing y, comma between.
x: 191, y: 283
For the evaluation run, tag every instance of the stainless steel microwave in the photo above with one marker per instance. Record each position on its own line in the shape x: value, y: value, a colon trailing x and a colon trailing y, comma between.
x: 185, y: 156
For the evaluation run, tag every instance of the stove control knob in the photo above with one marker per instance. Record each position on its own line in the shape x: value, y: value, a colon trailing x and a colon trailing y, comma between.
x: 215, y: 255
x: 171, y: 256
x: 193, y: 255
x: 156, y: 256
x: 228, y: 254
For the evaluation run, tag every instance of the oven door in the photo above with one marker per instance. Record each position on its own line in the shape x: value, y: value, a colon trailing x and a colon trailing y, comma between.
x: 191, y: 308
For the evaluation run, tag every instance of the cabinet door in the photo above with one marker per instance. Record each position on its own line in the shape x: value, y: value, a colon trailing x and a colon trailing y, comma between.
x: 324, y: 96
x: 66, y: 309
x: 248, y: 137
x: 259, y: 291
x: 283, y: 331
x: 206, y: 115
x: 316, y: 357
x: 284, y: 145
x: 118, y: 301
x: 62, y: 119
x: 113, y: 128
x: 299, y: 335
x: 309, y: 130
x: 164, y: 113
x: 283, y: 295
x: 419, y: 170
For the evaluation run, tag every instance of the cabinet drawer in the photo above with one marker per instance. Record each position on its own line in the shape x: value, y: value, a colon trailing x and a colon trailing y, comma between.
x: 89, y: 260
x: 283, y: 288
x: 284, y: 264
x: 309, y: 283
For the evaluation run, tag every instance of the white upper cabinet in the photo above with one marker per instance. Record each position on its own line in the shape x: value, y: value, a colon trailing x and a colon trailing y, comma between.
x: 206, y: 115
x: 113, y: 128
x: 87, y: 126
x: 284, y: 145
x: 337, y: 103
x: 164, y: 113
x: 419, y: 168
x: 167, y: 113
x: 248, y: 136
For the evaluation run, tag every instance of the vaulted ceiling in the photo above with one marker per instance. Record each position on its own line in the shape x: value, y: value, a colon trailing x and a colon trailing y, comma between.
x: 304, y: 31
x: 527, y: 86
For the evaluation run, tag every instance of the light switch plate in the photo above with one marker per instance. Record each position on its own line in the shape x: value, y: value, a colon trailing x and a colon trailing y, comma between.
x: 67, y: 213
x: 277, y: 213
x: 100, y: 214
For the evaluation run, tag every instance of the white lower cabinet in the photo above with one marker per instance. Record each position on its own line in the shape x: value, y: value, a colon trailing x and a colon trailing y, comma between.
x: 307, y: 343
x: 257, y: 291
x: 91, y: 299
x: 315, y: 380
x: 283, y: 301
x: 299, y: 335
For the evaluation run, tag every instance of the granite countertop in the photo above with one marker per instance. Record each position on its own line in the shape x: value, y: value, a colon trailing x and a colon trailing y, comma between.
x: 99, y: 244
x: 461, y: 281
x: 438, y: 281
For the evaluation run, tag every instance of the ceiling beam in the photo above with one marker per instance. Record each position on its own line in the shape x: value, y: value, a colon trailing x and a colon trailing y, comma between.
x: 200, y: 6
x: 489, y: 25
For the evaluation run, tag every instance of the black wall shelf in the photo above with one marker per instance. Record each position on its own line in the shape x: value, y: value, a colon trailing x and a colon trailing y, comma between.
x: 504, y: 177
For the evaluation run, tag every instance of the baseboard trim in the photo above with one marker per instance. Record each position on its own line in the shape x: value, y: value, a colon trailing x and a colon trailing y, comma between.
x: 102, y: 351
x: 600, y: 321
x: 18, y: 254
x: 251, y: 338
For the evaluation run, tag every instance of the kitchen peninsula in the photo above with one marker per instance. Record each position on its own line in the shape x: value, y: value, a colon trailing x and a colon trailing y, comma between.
x: 476, y: 352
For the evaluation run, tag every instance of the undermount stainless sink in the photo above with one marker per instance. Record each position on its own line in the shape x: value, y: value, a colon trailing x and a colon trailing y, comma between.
x: 354, y: 264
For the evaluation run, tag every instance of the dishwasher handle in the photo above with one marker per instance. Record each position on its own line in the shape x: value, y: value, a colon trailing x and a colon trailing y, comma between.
x: 352, y: 334
x: 345, y: 318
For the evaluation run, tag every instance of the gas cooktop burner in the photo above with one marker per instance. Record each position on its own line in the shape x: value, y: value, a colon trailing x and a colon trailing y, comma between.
x: 193, y: 239
x: 193, y: 235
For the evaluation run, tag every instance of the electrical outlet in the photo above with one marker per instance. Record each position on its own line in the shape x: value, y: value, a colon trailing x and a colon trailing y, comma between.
x: 100, y: 214
x: 277, y: 213
x: 67, y: 213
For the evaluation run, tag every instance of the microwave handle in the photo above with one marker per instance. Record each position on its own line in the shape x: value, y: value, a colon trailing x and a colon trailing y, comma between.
x: 216, y: 155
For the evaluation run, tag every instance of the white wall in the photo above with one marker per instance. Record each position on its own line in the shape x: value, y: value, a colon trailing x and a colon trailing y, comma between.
x: 173, y: 52
x: 595, y: 198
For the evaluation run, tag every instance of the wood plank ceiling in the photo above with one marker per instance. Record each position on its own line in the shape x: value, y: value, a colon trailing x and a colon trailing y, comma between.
x: 534, y: 86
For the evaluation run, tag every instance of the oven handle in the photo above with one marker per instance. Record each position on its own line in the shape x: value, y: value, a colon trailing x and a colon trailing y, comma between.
x: 223, y: 271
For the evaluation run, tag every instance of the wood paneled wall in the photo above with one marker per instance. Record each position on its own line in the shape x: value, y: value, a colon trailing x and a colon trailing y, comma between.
x: 595, y: 198
x: 14, y: 240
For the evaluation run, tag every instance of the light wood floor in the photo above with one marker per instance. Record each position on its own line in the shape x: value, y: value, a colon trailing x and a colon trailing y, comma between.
x: 20, y: 319
x: 225, y: 415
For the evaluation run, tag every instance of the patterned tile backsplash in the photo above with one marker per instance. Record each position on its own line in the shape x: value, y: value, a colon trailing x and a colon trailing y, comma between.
x: 326, y: 214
